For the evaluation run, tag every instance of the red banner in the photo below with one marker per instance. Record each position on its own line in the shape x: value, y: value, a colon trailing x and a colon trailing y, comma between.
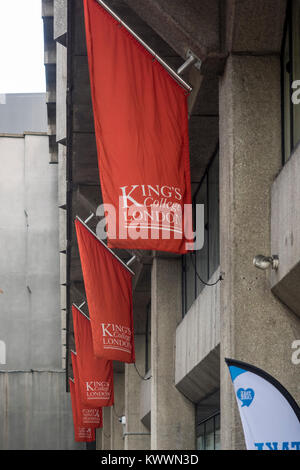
x: 87, y: 416
x: 82, y: 434
x: 141, y: 125
x: 95, y: 374
x: 108, y: 287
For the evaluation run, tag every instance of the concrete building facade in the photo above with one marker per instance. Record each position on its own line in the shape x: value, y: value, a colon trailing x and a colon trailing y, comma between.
x: 35, y: 411
x: 244, y: 155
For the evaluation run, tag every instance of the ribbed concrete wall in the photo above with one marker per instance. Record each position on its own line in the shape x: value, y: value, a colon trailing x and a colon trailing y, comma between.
x: 35, y: 412
x: 29, y: 264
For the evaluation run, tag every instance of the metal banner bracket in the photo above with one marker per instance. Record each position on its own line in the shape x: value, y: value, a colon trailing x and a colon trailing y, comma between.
x: 89, y: 218
x: 192, y: 59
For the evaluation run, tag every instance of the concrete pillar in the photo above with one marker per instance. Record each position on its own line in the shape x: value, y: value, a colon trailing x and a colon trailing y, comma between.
x: 172, y: 415
x: 117, y: 441
x: 99, y: 439
x: 106, y: 430
x: 255, y: 326
x: 140, y: 439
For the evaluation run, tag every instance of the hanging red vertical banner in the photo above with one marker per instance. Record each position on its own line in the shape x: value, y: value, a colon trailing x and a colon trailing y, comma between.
x: 108, y: 287
x: 82, y: 434
x: 141, y: 126
x: 87, y: 416
x: 95, y: 374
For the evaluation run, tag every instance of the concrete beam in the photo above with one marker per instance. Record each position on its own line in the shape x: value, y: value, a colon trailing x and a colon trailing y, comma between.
x: 259, y: 33
x: 47, y: 8
x: 184, y: 25
x: 61, y: 93
x: 60, y: 12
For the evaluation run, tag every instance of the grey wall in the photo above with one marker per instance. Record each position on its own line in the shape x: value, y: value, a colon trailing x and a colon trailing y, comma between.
x: 35, y: 410
x: 23, y: 112
x: 285, y: 233
x: 29, y: 262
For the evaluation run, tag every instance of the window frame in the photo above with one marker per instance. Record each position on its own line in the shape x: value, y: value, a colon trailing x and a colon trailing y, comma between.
x: 203, y: 422
x: 194, y: 253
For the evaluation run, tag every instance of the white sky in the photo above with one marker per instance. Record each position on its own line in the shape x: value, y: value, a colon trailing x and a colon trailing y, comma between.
x: 21, y: 47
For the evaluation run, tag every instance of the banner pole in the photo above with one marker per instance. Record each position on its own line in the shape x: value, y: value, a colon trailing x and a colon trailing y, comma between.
x: 157, y: 57
x: 129, y: 262
x: 78, y: 308
x: 117, y: 257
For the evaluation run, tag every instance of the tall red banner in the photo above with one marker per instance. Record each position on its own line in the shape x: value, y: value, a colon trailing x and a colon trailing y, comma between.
x: 82, y: 434
x: 108, y: 287
x: 141, y: 125
x: 95, y: 374
x: 87, y: 416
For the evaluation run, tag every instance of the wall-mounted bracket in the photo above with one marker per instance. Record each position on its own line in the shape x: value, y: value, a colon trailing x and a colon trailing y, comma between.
x: 192, y: 59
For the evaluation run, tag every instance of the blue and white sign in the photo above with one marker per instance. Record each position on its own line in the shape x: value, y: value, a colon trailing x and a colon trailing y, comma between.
x: 269, y: 414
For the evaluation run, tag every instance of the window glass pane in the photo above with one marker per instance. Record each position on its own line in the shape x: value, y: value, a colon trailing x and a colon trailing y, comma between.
x: 217, y: 440
x: 217, y: 433
x: 213, y: 216
x: 208, y: 434
x: 200, y: 437
x: 296, y: 65
x: 206, y: 260
x: 200, y: 443
x: 190, y: 280
x: 209, y: 426
x: 286, y: 98
x: 209, y: 441
x: 202, y: 255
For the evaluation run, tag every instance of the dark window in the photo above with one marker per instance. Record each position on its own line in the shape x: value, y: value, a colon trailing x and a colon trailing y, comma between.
x: 205, y: 261
x: 208, y: 433
x: 290, y: 72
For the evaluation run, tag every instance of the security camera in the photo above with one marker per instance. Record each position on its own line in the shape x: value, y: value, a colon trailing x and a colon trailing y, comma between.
x: 122, y: 420
x: 265, y: 262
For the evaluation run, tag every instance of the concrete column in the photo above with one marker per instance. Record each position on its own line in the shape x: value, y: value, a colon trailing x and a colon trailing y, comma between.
x: 134, y: 425
x: 106, y: 430
x: 172, y: 415
x: 255, y: 326
x: 117, y: 441
x: 99, y: 439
